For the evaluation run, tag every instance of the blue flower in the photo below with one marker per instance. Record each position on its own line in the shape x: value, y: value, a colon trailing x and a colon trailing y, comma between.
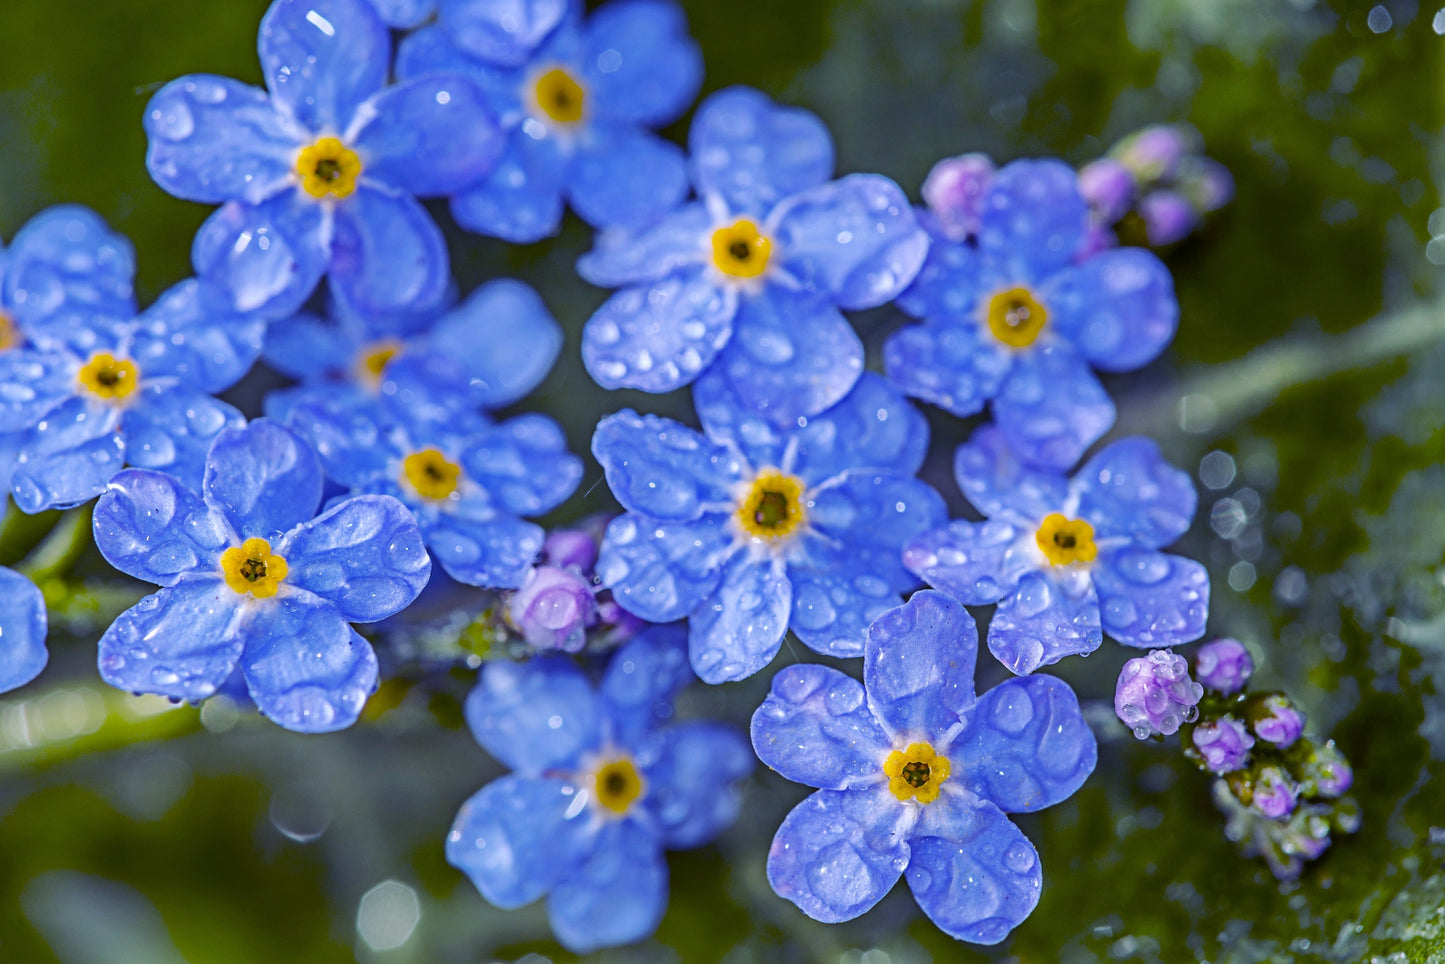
x: 578, y: 101
x: 915, y: 775
x: 252, y: 578
x: 751, y: 276
x: 404, y: 14
x: 1017, y: 318
x: 467, y: 480
x: 22, y: 630
x: 600, y: 789
x: 320, y: 175
x: 749, y: 529
x: 98, y: 391
x: 1067, y: 558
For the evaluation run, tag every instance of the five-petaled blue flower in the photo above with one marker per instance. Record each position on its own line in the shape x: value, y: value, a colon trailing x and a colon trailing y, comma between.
x: 752, y: 275
x: 916, y: 774
x: 22, y: 630
x: 577, y: 107
x: 321, y: 174
x: 1016, y: 317
x: 1063, y: 557
x: 600, y: 789
x: 252, y: 577
x: 98, y: 390
x: 749, y: 529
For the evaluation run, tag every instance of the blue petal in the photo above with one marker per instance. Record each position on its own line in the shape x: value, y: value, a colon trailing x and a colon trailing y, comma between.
x: 504, y: 339
x: 151, y: 527
x: 948, y: 286
x: 855, y: 239
x: 213, y: 139
x: 22, y: 630
x: 501, y: 31
x: 664, y: 469
x: 617, y: 896
x: 264, y: 478
x: 309, y: 349
x: 364, y: 556
x: 1034, y: 219
x: 625, y: 177
x: 305, y: 667
x: 429, y: 49
x: 978, y: 563
x: 190, y: 334
x: 755, y: 153
x: 429, y: 136
x: 677, y: 241
x: 67, y: 458
x: 1051, y: 408
x: 33, y: 383
x: 170, y: 428
x: 792, y: 355
x: 1000, y: 486
x: 67, y: 258
x: 323, y: 58
x: 833, y: 609
x: 351, y: 437
x: 918, y: 665
x: 816, y: 728
x: 266, y: 258
x: 980, y: 887
x: 521, y: 200
x: 10, y: 443
x: 515, y: 839
x: 1117, y: 308
x: 658, y: 337
x: 1152, y: 599
x: 661, y: 571
x: 534, y: 716
x: 691, y: 778
x: 643, y: 678
x: 388, y: 254
x: 951, y: 365
x: 740, y: 628
x: 639, y: 62
x: 838, y: 852
x: 404, y: 14
x: 485, y: 549
x: 182, y: 641
x: 1027, y: 746
x: 1043, y: 620
x: 523, y: 464
x: 1128, y: 490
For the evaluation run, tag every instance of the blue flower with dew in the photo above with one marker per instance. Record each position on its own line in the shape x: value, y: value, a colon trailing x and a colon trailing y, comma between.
x: 22, y: 630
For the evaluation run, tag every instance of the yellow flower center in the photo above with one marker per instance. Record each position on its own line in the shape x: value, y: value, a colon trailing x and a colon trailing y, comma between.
x: 739, y: 251
x: 916, y: 773
x: 431, y: 474
x: 773, y: 507
x: 328, y: 168
x: 372, y: 360
x: 9, y: 332
x: 618, y: 785
x: 1063, y: 540
x: 560, y: 97
x: 109, y: 377
x: 251, y: 568
x: 1016, y: 318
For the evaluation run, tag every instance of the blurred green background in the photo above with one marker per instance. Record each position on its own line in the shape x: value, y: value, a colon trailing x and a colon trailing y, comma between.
x: 1308, y: 354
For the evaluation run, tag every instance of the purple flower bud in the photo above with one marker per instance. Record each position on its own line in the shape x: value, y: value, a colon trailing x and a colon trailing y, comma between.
x: 1274, y: 794
x: 1155, y: 694
x: 1108, y: 186
x: 1154, y: 152
x: 571, y: 547
x: 1327, y: 773
x: 1223, y: 665
x: 1276, y: 720
x: 1168, y: 217
x: 553, y: 609
x: 1210, y: 186
x: 954, y: 192
x: 1223, y: 744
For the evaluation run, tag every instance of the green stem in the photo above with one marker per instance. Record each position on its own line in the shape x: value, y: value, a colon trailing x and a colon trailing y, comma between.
x: 43, y: 727
x: 60, y: 548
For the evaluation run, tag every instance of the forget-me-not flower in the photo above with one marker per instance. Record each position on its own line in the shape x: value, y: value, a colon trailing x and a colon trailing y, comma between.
x: 1013, y: 316
x: 319, y: 173
x: 915, y: 775
x: 1069, y: 559
x: 749, y: 530
x: 600, y: 788
x: 252, y: 578
x: 578, y: 106
x: 749, y: 278
x: 22, y: 630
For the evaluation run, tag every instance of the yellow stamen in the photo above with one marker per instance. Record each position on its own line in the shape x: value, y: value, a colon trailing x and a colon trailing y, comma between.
x: 372, y: 360
x: 739, y: 251
x: 328, y: 168
x: 1063, y: 540
x: 560, y: 97
x: 1016, y: 318
x: 109, y: 377
x: 618, y: 785
x: 9, y: 332
x: 773, y: 507
x: 916, y: 773
x: 251, y: 568
x: 431, y: 474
